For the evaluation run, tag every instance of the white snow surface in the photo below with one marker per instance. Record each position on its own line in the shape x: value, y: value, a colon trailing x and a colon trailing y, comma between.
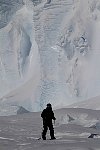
x: 49, y: 52
x: 23, y: 132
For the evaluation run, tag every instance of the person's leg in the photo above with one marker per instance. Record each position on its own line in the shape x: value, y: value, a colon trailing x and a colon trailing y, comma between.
x: 51, y: 131
x: 45, y: 128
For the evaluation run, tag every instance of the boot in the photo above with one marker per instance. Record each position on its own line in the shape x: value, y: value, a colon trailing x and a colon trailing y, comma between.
x: 53, y: 138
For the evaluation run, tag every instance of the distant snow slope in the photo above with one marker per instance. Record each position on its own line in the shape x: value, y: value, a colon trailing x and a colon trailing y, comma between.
x: 49, y: 52
x: 93, y: 103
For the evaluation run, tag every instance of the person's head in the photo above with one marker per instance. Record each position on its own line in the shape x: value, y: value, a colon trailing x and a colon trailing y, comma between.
x: 49, y: 105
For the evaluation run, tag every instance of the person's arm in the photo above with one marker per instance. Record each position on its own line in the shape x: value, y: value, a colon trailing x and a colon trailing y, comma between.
x: 42, y: 114
x: 53, y: 117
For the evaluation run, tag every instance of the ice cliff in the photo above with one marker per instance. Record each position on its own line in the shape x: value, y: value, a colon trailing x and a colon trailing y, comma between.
x: 49, y: 52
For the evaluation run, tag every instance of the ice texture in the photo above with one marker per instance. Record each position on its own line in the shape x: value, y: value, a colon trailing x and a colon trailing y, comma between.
x: 49, y: 52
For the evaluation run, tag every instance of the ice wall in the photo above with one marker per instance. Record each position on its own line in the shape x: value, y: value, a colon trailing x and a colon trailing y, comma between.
x: 49, y: 52
x: 65, y: 33
x: 19, y: 59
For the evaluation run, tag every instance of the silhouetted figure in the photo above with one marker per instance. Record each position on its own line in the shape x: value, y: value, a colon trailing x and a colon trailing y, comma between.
x: 47, y: 116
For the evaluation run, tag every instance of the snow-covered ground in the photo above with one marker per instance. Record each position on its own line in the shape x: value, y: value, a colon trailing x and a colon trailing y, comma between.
x: 72, y: 128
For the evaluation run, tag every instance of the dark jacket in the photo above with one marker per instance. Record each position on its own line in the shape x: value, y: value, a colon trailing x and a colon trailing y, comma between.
x: 48, y: 115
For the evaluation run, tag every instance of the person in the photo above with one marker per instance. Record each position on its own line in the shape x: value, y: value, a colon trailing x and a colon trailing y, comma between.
x: 47, y: 115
